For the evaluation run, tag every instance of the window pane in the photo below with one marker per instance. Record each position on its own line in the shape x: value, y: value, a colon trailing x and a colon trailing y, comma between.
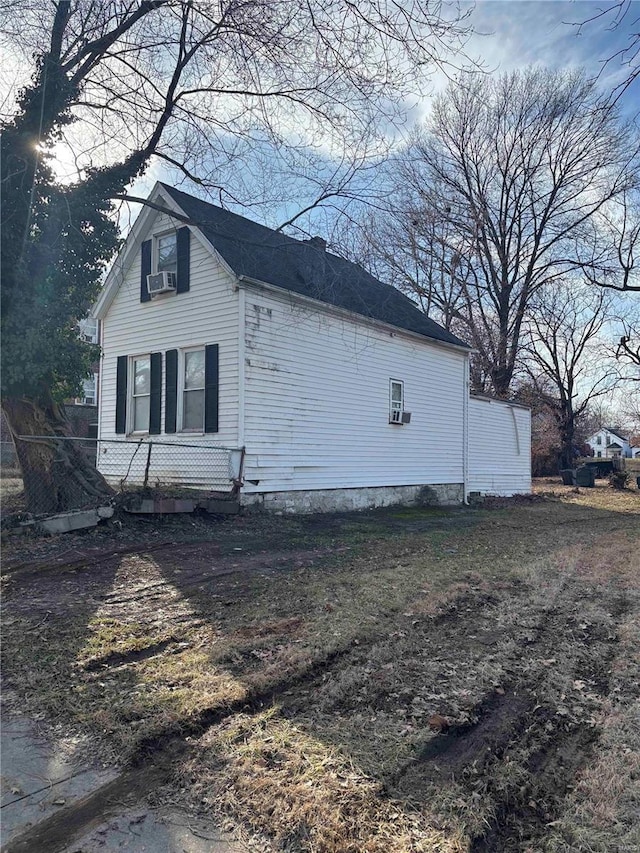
x: 141, y: 414
x: 141, y: 378
x: 167, y: 253
x: 396, y: 392
x: 193, y: 414
x: 194, y: 369
x: 89, y: 390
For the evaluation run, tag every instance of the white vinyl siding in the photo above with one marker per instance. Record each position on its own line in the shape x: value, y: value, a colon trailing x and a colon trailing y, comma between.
x: 206, y: 314
x: 499, y: 448
x: 317, y: 399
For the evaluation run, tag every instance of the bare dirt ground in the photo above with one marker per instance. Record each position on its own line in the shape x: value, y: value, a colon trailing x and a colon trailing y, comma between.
x: 399, y: 680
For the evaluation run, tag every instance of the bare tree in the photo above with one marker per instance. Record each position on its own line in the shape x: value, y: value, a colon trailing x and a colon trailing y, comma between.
x: 563, y: 354
x: 616, y: 242
x: 197, y: 86
x: 500, y: 196
x: 628, y: 349
x: 613, y: 17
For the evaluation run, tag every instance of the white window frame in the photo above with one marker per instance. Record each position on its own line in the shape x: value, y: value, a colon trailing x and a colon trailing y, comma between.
x: 131, y: 395
x: 83, y: 400
x: 156, y: 250
x: 395, y: 413
x: 88, y: 330
x: 182, y: 363
x: 599, y: 440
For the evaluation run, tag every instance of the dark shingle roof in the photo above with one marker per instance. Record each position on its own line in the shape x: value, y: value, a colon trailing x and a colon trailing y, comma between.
x: 616, y: 431
x: 268, y: 256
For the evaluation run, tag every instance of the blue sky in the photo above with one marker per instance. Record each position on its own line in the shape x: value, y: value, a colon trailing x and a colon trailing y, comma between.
x: 508, y: 34
x: 547, y: 32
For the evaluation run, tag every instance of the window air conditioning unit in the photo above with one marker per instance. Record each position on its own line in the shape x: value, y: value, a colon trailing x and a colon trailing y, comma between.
x: 161, y: 282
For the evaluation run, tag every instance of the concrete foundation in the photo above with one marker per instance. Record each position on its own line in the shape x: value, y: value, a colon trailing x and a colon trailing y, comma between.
x: 342, y: 500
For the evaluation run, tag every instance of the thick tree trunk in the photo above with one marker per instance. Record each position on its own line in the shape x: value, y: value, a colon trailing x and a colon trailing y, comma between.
x: 58, y: 475
x: 567, y: 438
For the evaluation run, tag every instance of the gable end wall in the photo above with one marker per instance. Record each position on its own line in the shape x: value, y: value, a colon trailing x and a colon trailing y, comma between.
x: 207, y: 314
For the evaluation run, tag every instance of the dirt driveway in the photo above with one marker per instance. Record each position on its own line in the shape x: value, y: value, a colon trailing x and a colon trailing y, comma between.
x: 400, y: 680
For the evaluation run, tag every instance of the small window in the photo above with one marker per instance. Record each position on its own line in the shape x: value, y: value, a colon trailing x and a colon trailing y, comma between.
x: 141, y: 392
x: 88, y: 329
x: 599, y: 440
x: 396, y: 401
x: 193, y: 391
x: 167, y: 253
x: 599, y: 454
x: 89, y: 397
x: 89, y: 391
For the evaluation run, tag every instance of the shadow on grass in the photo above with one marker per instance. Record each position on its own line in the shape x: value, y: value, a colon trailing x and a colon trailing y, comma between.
x: 308, y: 658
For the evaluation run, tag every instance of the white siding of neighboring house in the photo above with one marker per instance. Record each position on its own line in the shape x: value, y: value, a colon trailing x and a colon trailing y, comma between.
x: 499, y: 448
x: 206, y: 314
x: 604, y: 449
x: 317, y: 402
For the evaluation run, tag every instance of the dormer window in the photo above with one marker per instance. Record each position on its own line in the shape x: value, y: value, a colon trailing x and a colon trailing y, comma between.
x: 167, y: 253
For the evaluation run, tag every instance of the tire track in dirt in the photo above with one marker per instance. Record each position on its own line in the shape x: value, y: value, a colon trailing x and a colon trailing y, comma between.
x: 518, y: 716
x: 151, y: 765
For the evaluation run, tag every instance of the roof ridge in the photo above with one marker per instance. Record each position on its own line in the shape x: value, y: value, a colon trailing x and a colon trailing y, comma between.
x: 259, y: 253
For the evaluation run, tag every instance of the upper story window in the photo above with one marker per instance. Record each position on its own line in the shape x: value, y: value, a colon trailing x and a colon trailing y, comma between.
x: 193, y: 390
x: 88, y: 329
x: 141, y: 392
x: 599, y: 440
x: 167, y: 253
x: 396, y: 401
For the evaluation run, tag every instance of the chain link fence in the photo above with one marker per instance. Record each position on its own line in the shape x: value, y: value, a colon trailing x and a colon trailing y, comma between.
x: 161, y: 464
x: 167, y: 467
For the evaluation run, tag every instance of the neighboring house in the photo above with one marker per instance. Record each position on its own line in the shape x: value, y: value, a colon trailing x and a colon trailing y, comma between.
x: 89, y: 330
x: 217, y: 331
x: 608, y: 443
x: 81, y: 412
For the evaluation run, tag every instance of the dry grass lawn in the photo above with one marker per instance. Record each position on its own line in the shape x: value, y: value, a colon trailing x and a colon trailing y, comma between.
x: 400, y: 680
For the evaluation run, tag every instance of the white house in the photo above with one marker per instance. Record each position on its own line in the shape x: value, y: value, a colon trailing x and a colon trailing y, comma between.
x: 324, y: 387
x: 608, y: 443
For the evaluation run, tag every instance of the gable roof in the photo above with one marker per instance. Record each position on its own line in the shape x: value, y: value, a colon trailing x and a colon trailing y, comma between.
x: 615, y: 432
x: 258, y: 253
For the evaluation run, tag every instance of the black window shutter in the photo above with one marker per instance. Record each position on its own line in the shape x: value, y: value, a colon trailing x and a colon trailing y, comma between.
x: 171, y: 390
x: 183, y: 251
x: 211, y: 388
x: 145, y: 270
x: 121, y: 393
x: 155, y: 401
